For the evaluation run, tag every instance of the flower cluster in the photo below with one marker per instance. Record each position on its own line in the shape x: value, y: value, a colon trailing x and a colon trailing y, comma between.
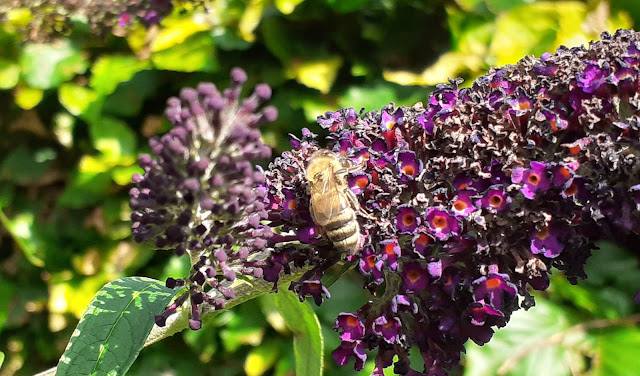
x: 53, y: 17
x: 476, y: 195
x: 201, y: 195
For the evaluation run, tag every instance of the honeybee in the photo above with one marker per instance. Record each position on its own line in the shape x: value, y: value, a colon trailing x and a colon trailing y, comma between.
x: 333, y: 205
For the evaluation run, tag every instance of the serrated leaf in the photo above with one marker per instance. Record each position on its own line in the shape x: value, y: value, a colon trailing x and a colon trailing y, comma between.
x: 307, y: 337
x: 114, y: 327
x: 108, y: 71
x: 46, y: 66
x: 196, y: 53
x: 522, y: 348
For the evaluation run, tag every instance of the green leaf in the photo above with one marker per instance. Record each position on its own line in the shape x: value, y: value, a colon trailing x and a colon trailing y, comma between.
x: 9, y: 74
x: 113, y: 138
x: 75, y: 98
x: 261, y: 358
x: 196, y: 53
x: 88, y: 185
x: 1, y: 358
x: 618, y: 351
x: 28, y: 235
x: 28, y: 97
x: 342, y: 6
x: 128, y: 98
x: 25, y: 166
x: 524, y: 347
x: 307, y: 334
x: 287, y: 6
x: 108, y: 71
x: 319, y: 73
x: 6, y: 292
x: 45, y: 66
x: 114, y: 327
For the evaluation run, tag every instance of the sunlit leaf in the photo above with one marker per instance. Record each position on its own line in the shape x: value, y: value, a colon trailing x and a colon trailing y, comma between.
x: 114, y: 327
x: 175, y: 31
x: 260, y: 359
x: 75, y: 98
x: 307, y: 335
x: 113, y: 138
x: 24, y: 231
x: 317, y: 73
x: 28, y: 97
x: 196, y: 53
x: 110, y: 70
x: 48, y: 65
x: 9, y: 74
x: 250, y: 19
x: 287, y: 6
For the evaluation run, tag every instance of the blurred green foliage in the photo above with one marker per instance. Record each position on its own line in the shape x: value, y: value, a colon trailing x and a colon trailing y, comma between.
x: 76, y: 110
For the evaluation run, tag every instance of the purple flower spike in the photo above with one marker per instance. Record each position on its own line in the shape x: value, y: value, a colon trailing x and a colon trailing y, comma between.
x: 415, y: 276
x: 592, y: 77
x: 408, y: 166
x: 387, y: 328
x: 407, y: 219
x: 495, y: 286
x: 352, y: 327
x: 442, y: 224
x: 534, y: 180
x: 546, y: 242
x: 462, y: 204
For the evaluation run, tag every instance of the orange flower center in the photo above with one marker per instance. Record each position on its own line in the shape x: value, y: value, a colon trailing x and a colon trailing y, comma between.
x: 495, y: 200
x: 571, y: 190
x: 542, y: 234
x: 362, y: 182
x: 493, y: 283
x: 439, y: 221
x: 534, y: 179
x: 291, y: 204
x: 389, y: 249
x: 408, y: 219
x: 459, y: 205
x: 409, y: 170
x: 352, y: 321
x: 413, y: 275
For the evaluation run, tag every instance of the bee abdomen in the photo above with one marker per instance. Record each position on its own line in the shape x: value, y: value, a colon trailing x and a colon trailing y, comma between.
x: 344, y: 233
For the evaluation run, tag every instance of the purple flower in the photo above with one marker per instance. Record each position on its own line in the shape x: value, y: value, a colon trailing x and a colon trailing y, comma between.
x: 546, y: 242
x: 441, y: 224
x: 415, y: 277
x: 352, y: 327
x: 408, y: 166
x: 387, y: 328
x: 390, y: 252
x: 462, y: 204
x: 495, y: 286
x: 495, y: 199
x: 348, y: 349
x: 407, y: 219
x: 534, y: 180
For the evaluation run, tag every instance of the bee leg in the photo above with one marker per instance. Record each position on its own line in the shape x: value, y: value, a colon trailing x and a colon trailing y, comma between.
x: 356, y: 205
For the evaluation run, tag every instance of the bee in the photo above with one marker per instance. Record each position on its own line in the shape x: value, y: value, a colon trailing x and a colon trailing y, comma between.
x: 333, y: 205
